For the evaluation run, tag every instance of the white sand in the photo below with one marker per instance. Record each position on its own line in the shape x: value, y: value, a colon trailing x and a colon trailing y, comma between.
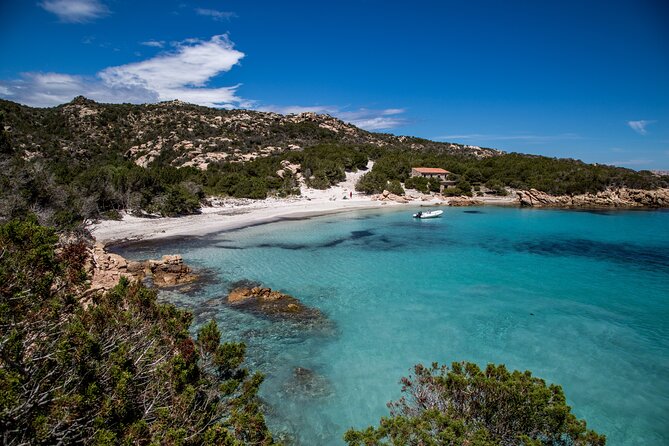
x: 235, y: 213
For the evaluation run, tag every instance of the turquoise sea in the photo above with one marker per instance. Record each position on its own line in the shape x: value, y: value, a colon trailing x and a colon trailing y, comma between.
x: 579, y: 298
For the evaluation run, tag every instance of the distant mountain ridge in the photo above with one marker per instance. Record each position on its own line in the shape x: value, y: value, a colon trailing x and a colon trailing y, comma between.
x: 190, y: 135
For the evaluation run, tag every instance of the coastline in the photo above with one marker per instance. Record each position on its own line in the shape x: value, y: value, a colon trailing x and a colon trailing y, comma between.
x: 237, y: 214
x: 220, y: 218
x: 231, y: 214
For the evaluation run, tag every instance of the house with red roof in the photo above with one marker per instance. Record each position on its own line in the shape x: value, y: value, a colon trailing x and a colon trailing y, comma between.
x: 430, y: 172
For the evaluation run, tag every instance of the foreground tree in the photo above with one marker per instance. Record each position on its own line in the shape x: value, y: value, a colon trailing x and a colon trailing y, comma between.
x: 118, y: 368
x: 465, y: 405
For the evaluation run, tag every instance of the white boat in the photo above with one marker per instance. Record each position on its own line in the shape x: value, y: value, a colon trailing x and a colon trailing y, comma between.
x: 428, y: 214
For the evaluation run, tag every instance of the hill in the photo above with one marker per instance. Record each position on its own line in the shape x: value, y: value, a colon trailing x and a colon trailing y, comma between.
x: 85, y: 160
x: 187, y: 134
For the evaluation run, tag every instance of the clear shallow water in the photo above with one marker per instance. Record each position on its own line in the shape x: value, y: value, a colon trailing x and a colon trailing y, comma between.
x: 579, y: 298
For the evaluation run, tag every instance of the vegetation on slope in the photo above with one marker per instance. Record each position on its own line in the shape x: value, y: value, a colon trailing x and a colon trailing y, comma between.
x: 121, y: 369
x: 465, y: 405
x: 513, y: 170
x: 81, y: 160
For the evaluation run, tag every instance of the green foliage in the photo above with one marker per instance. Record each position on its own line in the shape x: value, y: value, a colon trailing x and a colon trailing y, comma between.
x: 5, y: 144
x: 121, y: 370
x: 418, y: 183
x: 555, y: 176
x: 497, y: 187
x: 467, y: 405
x: 372, y: 182
x: 394, y: 187
x: 465, y: 187
x: 79, y: 167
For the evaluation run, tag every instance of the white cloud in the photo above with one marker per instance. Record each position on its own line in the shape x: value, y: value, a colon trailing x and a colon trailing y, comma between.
x: 297, y: 109
x: 154, y: 43
x: 364, y: 118
x: 632, y: 162
x: 76, y: 11
x: 215, y: 14
x: 181, y: 74
x: 640, y: 126
x: 374, y: 119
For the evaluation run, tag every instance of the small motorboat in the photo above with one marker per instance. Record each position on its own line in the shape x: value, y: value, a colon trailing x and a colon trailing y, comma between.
x: 428, y: 214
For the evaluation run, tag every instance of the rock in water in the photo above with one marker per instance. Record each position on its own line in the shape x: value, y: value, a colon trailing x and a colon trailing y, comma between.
x: 273, y: 304
x: 107, y: 268
x: 307, y: 384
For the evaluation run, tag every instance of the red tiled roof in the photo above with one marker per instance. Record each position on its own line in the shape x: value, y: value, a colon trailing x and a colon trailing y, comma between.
x: 430, y: 170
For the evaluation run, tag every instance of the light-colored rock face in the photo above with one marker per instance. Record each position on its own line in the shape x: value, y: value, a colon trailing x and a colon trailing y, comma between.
x: 108, y: 268
x: 621, y: 198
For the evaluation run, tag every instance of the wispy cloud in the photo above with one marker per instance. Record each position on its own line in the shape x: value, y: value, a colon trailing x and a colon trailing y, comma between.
x: 640, y: 126
x: 215, y: 14
x: 297, y: 109
x: 183, y: 73
x: 632, y: 162
x: 153, y: 43
x: 368, y: 119
x: 528, y: 137
x: 76, y: 11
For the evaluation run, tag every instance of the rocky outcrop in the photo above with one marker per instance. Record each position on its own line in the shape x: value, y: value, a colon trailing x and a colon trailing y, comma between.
x: 272, y: 304
x: 107, y: 268
x: 170, y: 271
x: 616, y: 198
x: 463, y: 201
x: 386, y: 196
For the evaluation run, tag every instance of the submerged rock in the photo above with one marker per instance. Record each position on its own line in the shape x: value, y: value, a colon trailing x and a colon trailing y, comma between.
x: 273, y: 304
x: 306, y: 383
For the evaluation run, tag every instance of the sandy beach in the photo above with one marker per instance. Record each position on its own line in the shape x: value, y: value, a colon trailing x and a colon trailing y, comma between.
x: 227, y: 214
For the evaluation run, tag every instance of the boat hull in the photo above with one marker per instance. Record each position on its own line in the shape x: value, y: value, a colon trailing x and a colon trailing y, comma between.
x: 431, y: 214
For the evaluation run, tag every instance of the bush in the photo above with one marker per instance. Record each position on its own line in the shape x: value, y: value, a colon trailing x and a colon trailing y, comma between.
x: 418, y: 183
x: 394, y: 187
x: 465, y: 187
x: 121, y: 370
x: 372, y: 183
x: 467, y: 405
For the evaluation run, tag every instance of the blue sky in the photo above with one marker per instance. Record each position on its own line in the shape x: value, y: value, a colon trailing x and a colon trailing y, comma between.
x: 582, y: 79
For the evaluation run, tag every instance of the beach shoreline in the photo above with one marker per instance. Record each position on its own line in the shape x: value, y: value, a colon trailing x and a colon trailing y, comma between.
x: 231, y: 217
x: 225, y: 214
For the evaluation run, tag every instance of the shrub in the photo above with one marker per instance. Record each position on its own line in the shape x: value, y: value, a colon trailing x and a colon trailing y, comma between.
x: 121, y: 370
x: 418, y: 183
x: 372, y: 183
x: 467, y: 405
x: 394, y: 187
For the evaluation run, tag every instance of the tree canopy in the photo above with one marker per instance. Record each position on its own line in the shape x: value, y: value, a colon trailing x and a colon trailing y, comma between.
x: 118, y: 368
x: 465, y: 405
